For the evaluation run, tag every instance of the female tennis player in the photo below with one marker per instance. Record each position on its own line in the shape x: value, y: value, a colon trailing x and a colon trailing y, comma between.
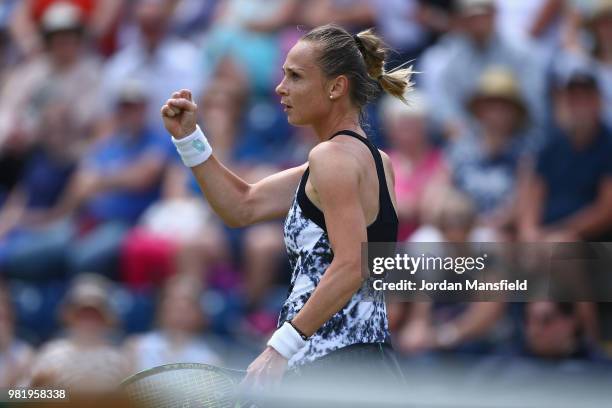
x: 344, y: 197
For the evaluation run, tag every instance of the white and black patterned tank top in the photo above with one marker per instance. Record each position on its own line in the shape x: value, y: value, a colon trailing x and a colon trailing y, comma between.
x: 364, y: 318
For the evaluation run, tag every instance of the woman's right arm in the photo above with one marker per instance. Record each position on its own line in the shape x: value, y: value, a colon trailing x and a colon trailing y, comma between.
x: 237, y: 202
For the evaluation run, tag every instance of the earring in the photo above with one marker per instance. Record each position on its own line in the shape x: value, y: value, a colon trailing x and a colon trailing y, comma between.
x: 331, y: 97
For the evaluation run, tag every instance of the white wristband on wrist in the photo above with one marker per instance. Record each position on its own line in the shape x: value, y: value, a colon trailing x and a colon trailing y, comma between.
x: 193, y: 149
x: 287, y: 341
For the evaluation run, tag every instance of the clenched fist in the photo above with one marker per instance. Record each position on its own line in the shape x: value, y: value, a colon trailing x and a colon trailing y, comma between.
x: 180, y: 114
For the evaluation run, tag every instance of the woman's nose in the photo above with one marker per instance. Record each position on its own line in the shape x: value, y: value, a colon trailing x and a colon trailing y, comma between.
x: 280, y: 88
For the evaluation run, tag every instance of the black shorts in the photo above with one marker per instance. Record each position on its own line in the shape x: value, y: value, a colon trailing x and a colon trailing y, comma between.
x: 364, y: 358
x: 346, y: 376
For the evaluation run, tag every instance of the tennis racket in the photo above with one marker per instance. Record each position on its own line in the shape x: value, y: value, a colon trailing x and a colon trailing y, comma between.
x: 184, y: 385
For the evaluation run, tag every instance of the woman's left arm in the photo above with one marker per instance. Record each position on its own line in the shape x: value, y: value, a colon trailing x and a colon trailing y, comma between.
x: 335, y: 177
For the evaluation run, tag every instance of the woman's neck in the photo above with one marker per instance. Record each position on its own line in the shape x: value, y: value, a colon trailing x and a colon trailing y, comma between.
x: 335, y: 123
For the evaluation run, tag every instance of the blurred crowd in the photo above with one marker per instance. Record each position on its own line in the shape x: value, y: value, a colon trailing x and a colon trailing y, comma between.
x: 110, y: 260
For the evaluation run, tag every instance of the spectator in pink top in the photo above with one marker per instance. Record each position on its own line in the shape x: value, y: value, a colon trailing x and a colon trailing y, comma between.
x: 418, y: 165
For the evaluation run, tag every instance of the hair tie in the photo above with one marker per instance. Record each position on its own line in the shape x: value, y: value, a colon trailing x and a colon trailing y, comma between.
x: 359, y: 44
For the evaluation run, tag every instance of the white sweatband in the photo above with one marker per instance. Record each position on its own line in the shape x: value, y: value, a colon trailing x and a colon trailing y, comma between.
x: 193, y: 149
x: 287, y: 341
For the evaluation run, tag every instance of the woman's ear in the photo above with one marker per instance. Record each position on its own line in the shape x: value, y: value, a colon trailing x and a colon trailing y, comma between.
x: 338, y: 87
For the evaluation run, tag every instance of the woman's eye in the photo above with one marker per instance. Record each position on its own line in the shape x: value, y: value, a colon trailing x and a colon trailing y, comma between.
x: 291, y: 75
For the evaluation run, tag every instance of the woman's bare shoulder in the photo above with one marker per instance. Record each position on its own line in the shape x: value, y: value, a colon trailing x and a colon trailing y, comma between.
x: 330, y: 160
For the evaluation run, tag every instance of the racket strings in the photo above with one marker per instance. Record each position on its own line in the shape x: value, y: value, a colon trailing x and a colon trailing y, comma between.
x: 184, y: 388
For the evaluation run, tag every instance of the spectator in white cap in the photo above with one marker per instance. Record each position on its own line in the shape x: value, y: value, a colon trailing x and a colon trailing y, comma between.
x: 99, y: 18
x: 64, y: 70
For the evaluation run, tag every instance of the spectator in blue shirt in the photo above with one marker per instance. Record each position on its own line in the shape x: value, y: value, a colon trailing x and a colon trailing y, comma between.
x: 116, y: 182
x: 112, y: 186
x: 568, y: 194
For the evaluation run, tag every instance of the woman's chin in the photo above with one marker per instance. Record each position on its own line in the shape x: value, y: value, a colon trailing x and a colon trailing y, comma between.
x: 296, y: 121
x: 293, y: 120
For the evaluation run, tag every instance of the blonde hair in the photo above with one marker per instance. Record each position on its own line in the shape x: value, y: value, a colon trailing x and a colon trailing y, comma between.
x: 396, y: 82
x: 361, y: 58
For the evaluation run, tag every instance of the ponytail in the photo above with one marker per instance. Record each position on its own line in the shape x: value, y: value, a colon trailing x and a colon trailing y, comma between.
x: 361, y: 58
x: 396, y: 82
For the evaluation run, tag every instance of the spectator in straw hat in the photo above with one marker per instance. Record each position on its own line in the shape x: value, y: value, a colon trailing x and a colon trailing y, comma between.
x: 484, y: 161
x: 84, y: 360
